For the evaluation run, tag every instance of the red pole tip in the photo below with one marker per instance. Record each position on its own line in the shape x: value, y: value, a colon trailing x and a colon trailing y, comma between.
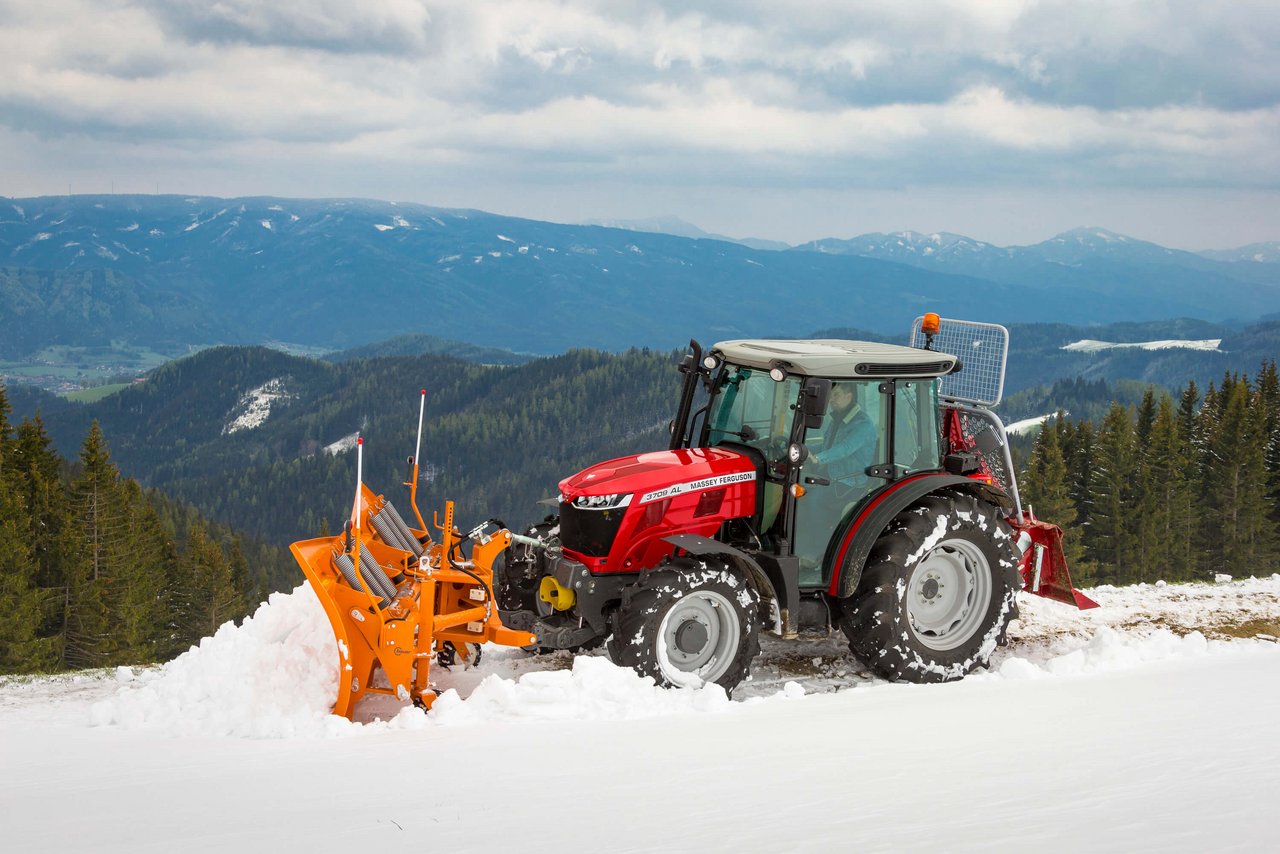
x: 424, y: 391
x: 359, y: 440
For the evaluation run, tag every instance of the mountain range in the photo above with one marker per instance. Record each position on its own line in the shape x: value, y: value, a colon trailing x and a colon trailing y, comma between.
x: 168, y: 272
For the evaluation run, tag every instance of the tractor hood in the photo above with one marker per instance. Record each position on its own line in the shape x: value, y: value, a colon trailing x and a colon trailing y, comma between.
x: 660, y: 474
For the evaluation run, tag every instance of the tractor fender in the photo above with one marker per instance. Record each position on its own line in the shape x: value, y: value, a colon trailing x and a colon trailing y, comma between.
x: 769, y: 585
x: 866, y: 522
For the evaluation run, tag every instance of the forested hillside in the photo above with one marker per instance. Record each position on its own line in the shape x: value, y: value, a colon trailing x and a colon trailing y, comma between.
x: 496, y: 439
x: 1172, y: 489
x: 95, y: 570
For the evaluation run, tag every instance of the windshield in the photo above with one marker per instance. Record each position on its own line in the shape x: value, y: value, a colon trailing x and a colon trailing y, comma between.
x: 751, y: 408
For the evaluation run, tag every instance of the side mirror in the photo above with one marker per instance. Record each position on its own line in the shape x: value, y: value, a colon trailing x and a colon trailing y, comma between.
x: 813, y: 402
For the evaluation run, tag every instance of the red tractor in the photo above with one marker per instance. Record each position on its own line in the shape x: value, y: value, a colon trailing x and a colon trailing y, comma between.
x: 870, y: 478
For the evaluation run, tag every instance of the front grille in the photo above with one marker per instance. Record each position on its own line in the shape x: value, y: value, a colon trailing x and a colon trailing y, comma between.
x: 589, y: 532
x: 877, y: 369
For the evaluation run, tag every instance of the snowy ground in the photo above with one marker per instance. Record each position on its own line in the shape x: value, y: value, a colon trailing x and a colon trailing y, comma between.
x: 1147, y: 724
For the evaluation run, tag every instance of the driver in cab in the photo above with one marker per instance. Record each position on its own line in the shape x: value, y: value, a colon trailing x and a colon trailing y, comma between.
x: 848, y: 437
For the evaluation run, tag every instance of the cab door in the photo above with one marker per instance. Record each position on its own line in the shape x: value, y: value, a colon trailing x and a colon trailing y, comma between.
x: 834, y: 475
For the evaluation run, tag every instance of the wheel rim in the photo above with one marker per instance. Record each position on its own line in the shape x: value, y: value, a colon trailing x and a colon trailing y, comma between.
x: 698, y: 638
x: 948, y: 594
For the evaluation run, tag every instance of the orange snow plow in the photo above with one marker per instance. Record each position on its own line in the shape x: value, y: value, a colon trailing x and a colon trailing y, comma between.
x: 396, y: 598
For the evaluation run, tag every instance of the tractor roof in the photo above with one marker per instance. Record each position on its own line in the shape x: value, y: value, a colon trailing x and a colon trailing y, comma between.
x: 837, y: 359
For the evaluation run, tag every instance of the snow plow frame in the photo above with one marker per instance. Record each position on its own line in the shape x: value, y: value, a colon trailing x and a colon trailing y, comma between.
x: 395, y: 609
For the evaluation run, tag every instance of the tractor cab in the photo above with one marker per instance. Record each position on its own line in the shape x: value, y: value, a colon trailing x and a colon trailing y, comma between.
x: 827, y: 422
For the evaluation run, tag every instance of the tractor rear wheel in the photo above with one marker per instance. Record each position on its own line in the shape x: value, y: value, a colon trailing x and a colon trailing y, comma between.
x: 937, y: 593
x: 687, y: 623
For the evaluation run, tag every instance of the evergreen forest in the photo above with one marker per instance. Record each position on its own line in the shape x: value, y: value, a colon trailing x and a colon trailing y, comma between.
x: 97, y: 571
x: 1172, y: 489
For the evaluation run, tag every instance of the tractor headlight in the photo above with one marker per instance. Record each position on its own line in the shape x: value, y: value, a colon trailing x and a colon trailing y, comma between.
x: 602, y: 502
x: 797, y: 453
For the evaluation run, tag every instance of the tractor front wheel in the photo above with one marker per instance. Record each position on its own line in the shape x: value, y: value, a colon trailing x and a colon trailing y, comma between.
x: 937, y: 593
x: 687, y: 623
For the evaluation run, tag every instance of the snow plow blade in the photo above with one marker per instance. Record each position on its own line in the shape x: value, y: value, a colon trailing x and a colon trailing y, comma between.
x: 1044, y: 565
x: 396, y: 599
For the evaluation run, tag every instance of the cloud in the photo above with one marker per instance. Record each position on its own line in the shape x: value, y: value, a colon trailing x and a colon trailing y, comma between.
x: 738, y: 92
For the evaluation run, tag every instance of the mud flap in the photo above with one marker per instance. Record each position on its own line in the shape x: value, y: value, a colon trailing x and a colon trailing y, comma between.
x: 1044, y: 565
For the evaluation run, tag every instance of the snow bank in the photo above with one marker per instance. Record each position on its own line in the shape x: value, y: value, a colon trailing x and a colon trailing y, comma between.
x: 275, y: 676
x: 1109, y: 650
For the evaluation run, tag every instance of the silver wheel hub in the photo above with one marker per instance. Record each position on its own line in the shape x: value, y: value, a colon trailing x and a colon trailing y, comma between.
x: 948, y: 594
x: 699, y: 637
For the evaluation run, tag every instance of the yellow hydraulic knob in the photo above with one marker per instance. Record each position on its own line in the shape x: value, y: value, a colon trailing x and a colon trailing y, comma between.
x: 558, y: 597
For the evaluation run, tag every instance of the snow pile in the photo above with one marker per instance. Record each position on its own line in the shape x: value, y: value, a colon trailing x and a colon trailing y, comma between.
x: 273, y: 676
x: 276, y: 677
x: 1088, y: 345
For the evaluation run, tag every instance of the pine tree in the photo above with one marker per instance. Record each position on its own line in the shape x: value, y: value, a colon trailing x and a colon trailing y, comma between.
x: 1078, y: 443
x: 1111, y: 484
x: 138, y: 609
x: 1236, y: 532
x: 1173, y: 511
x: 22, y: 604
x: 100, y: 524
x: 1047, y: 489
x: 1269, y: 398
x: 208, y: 596
x: 1144, y: 512
x: 41, y: 482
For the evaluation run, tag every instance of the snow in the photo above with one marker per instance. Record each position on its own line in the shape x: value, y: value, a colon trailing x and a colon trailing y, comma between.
x: 1143, y: 724
x: 1088, y: 345
x: 346, y: 443
x: 1026, y: 425
x: 254, y: 406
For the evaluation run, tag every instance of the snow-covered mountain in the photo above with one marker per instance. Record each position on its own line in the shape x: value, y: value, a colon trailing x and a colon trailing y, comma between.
x: 165, y: 272
x: 908, y: 247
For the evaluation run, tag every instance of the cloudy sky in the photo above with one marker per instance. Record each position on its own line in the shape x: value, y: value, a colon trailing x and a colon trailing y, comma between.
x: 1006, y: 120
